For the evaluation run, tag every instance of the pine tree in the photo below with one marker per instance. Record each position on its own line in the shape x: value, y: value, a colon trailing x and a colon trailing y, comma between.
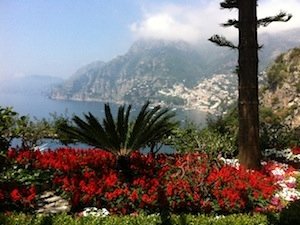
x: 247, y: 24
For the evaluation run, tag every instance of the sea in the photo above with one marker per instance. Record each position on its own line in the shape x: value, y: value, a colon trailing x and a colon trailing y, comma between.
x: 39, y: 105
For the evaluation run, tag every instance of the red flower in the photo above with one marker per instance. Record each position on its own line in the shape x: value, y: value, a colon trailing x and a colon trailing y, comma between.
x: 147, y: 199
x: 111, y: 179
x: 15, y: 195
x: 32, y: 194
x: 11, y: 153
x: 134, y: 196
x: 296, y: 150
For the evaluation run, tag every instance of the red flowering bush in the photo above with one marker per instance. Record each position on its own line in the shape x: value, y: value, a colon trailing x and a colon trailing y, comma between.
x: 296, y: 150
x: 188, y: 183
x: 237, y: 189
x: 17, y: 197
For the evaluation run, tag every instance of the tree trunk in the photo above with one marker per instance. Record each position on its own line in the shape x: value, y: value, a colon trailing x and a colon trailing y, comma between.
x: 123, y: 166
x: 248, y: 141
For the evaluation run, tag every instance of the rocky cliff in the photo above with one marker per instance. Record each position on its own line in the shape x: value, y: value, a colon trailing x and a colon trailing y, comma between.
x: 282, y: 91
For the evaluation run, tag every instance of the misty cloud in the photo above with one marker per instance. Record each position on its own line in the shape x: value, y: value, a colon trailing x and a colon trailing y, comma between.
x: 199, y: 22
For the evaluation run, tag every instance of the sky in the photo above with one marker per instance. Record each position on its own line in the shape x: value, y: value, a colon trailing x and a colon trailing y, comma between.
x: 57, y: 37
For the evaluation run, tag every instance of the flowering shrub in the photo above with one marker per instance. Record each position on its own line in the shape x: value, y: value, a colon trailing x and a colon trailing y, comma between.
x: 286, y: 155
x: 296, y: 150
x: 15, y: 197
x: 181, y: 183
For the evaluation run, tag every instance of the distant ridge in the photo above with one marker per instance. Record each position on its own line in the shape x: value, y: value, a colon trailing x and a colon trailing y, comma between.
x: 153, y: 67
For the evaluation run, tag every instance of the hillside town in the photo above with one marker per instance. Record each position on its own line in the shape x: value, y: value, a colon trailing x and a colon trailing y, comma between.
x: 210, y: 95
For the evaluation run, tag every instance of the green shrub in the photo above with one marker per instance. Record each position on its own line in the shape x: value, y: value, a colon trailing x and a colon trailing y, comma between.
x: 241, y: 219
x: 277, y: 73
x: 298, y: 182
x: 290, y: 214
x: 8, y: 119
x: 215, y: 143
x: 218, y: 137
x: 183, y: 139
x: 278, y: 136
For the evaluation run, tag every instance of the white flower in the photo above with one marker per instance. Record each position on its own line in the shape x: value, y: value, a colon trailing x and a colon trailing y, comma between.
x: 93, y: 211
x: 269, y: 152
x: 289, y: 194
x: 278, y: 172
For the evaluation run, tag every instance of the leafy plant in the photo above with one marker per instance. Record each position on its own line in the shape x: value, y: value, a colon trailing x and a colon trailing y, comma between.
x: 184, y: 139
x: 64, y: 219
x: 290, y: 214
x: 8, y: 119
x: 277, y: 135
x: 31, y: 132
x: 120, y: 136
x: 218, y: 137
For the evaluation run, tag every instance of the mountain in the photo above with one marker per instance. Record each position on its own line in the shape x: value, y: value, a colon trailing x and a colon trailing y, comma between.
x: 146, y: 68
x: 31, y: 84
x: 282, y: 91
x: 152, y: 69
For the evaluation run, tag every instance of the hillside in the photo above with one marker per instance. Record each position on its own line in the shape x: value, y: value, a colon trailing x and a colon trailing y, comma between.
x: 146, y: 68
x: 175, y: 73
x: 282, y: 91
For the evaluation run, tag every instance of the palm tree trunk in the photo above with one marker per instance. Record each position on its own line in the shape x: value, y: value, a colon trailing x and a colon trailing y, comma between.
x: 249, y: 152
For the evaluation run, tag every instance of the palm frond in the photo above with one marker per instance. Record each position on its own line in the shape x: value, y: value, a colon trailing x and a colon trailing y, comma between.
x: 157, y: 124
x: 123, y: 125
x: 110, y: 128
x: 120, y: 136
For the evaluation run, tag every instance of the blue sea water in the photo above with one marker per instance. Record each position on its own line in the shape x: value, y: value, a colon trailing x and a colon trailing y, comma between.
x: 40, y: 106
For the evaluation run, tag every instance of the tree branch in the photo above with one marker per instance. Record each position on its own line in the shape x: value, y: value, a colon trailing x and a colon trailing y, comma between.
x: 229, y: 4
x: 222, y: 41
x: 231, y: 22
x: 280, y: 17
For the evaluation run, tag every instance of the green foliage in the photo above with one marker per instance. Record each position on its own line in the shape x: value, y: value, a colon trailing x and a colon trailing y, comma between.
x: 120, y: 136
x: 290, y: 214
x: 267, y: 115
x: 215, y: 143
x: 219, y: 137
x: 25, y: 175
x: 274, y: 133
x: 57, y: 124
x: 221, y: 133
x: 277, y: 73
x: 63, y: 219
x: 8, y: 119
x: 31, y: 132
x: 298, y: 182
x: 277, y: 135
x: 184, y: 139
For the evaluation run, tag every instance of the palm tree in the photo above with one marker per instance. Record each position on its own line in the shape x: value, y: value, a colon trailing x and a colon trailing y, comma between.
x: 120, y: 136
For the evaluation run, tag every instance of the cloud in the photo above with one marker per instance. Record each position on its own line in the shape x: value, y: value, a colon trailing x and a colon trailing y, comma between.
x: 200, y: 21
